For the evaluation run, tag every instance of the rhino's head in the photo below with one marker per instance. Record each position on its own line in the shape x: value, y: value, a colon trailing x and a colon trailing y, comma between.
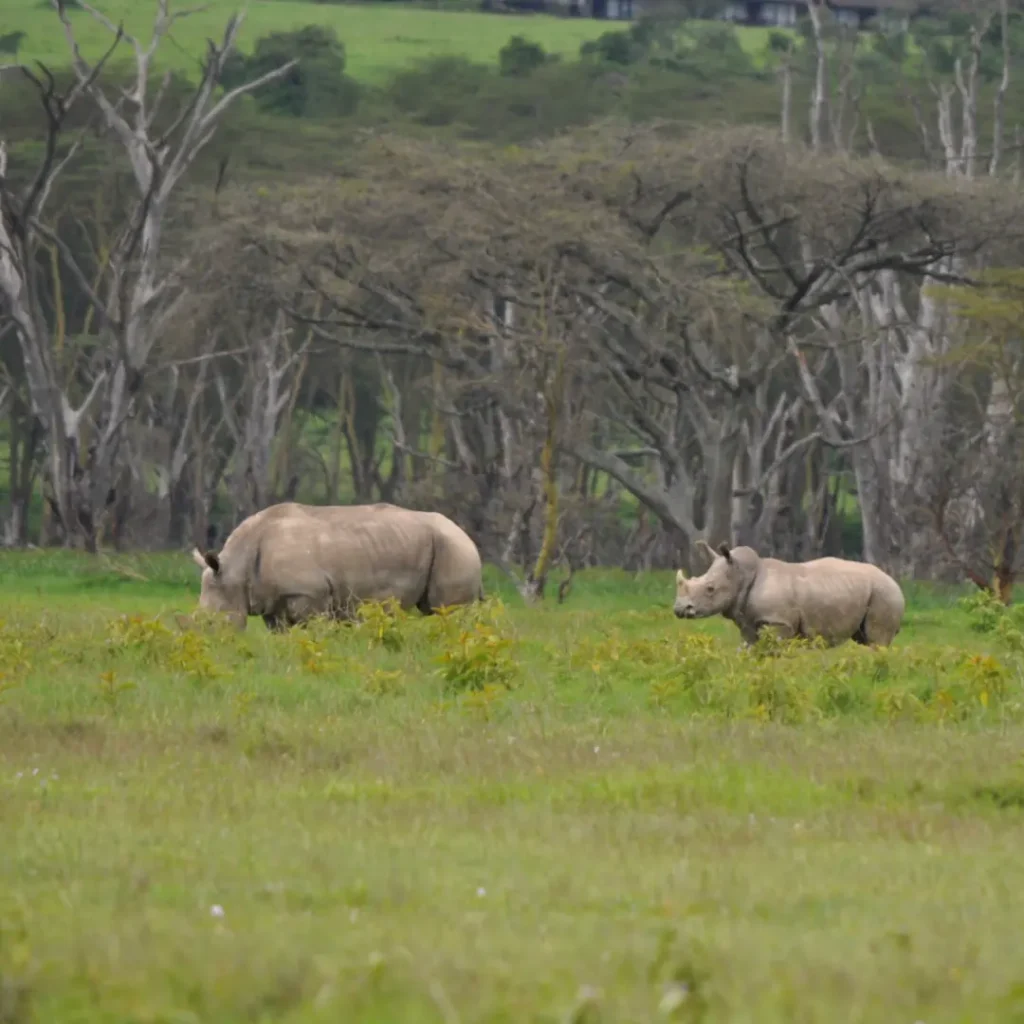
x: 216, y: 594
x: 712, y: 593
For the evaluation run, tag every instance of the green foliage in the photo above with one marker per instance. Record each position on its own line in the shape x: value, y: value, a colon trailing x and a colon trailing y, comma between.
x: 471, y: 100
x: 316, y: 87
x: 16, y: 646
x: 779, y: 42
x: 707, y: 51
x: 988, y: 615
x: 478, y: 652
x: 192, y: 655
x: 148, y: 638
x: 984, y: 610
x: 519, y: 57
x: 893, y: 47
x: 10, y: 43
x: 438, y: 90
x: 150, y: 642
x: 383, y: 620
x: 111, y: 688
x: 313, y: 652
x: 770, y: 645
x: 615, y: 48
x: 943, y: 39
x: 992, y: 307
x: 713, y: 52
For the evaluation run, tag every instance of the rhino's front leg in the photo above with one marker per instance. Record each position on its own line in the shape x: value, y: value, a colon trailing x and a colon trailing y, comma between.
x: 749, y: 633
x: 783, y: 630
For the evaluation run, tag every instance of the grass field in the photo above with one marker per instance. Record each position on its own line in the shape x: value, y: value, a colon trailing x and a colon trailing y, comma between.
x: 587, y: 812
x: 379, y: 39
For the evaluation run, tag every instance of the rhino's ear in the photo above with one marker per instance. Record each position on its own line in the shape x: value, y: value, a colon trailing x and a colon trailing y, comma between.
x: 209, y: 559
x: 704, y: 545
x: 680, y: 576
x: 724, y: 550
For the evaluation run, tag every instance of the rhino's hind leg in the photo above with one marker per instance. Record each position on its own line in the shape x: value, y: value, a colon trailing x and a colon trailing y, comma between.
x: 423, y: 604
x: 444, y: 591
x: 860, y: 635
x: 294, y: 610
x: 879, y: 627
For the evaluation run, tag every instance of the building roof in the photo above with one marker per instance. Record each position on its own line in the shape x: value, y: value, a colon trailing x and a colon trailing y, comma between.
x: 859, y: 4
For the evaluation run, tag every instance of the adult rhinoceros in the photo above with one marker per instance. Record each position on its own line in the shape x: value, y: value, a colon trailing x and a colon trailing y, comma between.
x: 828, y: 597
x: 290, y: 562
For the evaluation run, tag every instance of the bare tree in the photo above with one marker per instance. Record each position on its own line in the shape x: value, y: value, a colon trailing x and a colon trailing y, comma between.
x: 975, y: 505
x: 139, y: 290
x: 272, y: 375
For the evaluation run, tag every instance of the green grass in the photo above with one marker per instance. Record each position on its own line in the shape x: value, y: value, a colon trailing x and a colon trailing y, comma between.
x: 204, y: 826
x: 379, y: 39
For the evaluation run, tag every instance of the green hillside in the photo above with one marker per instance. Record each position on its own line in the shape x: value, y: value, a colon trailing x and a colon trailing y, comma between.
x: 378, y: 38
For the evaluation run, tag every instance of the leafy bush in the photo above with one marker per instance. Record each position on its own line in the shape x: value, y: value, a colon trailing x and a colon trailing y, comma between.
x: 10, y: 43
x: 317, y: 87
x: 478, y: 654
x: 519, y: 57
x: 384, y: 621
x: 438, y: 91
x: 452, y: 91
x: 615, y: 48
x: 711, y: 52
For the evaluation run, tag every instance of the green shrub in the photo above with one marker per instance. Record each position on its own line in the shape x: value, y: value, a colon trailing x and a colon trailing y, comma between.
x: 317, y: 87
x: 519, y: 57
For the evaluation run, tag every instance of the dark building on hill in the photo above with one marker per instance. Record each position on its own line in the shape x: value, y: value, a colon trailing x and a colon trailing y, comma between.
x: 786, y: 13
x: 777, y: 13
x: 619, y: 10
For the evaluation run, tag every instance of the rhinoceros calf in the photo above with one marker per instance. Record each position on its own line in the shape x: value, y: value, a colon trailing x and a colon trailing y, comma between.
x: 828, y: 597
x: 290, y: 562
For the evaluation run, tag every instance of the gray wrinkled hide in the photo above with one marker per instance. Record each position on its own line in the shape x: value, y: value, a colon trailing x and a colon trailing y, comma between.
x: 828, y: 597
x: 291, y: 561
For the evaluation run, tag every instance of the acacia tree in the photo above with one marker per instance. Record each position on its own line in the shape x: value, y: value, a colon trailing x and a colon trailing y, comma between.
x: 818, y: 238
x: 884, y: 332
x: 137, y: 289
x: 688, y: 322
x: 447, y: 275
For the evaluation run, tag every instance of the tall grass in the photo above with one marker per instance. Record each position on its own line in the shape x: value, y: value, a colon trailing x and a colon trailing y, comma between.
x: 581, y: 812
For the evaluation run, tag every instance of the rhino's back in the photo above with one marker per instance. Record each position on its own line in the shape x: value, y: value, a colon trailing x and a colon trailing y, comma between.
x: 842, y: 572
x: 828, y: 596
x: 369, y: 552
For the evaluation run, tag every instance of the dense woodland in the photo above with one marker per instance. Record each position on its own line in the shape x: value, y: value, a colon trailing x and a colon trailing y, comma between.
x: 595, y: 310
